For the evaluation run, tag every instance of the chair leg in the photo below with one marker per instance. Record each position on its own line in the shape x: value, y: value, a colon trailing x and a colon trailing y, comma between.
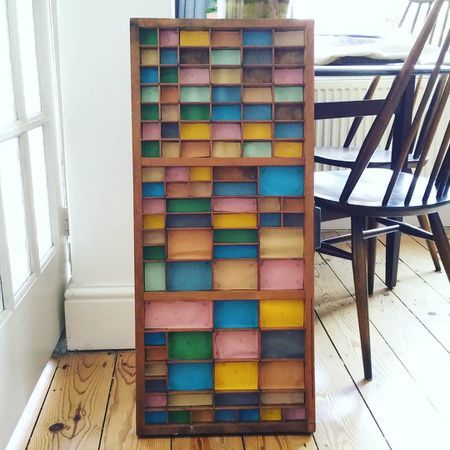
x: 371, y: 255
x: 441, y: 240
x: 392, y: 255
x: 425, y: 224
x: 359, y: 261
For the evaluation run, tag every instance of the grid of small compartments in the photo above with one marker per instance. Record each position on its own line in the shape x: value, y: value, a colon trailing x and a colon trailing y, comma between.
x: 221, y: 229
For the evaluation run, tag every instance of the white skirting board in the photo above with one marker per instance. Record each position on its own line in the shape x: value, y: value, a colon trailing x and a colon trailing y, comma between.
x: 99, y: 317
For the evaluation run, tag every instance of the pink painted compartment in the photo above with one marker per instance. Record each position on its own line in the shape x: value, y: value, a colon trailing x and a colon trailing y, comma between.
x: 236, y: 344
x: 155, y: 400
x: 233, y: 204
x: 288, y: 76
x: 226, y: 131
x: 177, y: 174
x: 153, y: 206
x: 151, y: 131
x: 281, y: 274
x: 178, y: 314
x: 294, y: 414
x: 168, y: 38
x: 194, y: 76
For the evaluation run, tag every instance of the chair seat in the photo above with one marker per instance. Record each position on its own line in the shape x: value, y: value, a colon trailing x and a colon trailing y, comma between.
x: 346, y: 157
x: 368, y: 194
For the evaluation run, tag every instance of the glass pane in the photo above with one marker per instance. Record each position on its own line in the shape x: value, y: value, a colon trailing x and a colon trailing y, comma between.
x: 40, y: 190
x: 7, y: 113
x: 27, y: 41
x: 14, y: 212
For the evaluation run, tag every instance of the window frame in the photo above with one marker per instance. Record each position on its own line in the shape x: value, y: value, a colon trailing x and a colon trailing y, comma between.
x: 48, y: 120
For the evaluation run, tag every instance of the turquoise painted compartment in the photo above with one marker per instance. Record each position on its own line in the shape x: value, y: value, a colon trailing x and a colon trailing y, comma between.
x: 189, y: 276
x: 190, y: 376
x: 236, y: 314
x: 281, y: 181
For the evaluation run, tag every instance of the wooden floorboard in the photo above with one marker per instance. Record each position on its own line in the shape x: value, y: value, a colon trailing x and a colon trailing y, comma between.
x: 74, y: 409
x: 90, y: 404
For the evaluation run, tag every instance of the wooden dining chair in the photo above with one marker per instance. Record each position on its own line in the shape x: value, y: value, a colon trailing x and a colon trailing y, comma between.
x: 371, y: 196
x: 415, y: 13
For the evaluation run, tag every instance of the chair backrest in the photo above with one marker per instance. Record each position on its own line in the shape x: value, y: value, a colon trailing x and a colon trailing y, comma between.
x: 414, y: 15
x: 393, y: 98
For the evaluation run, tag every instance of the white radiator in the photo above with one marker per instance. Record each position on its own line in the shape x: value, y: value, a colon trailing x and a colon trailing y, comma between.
x: 332, y: 132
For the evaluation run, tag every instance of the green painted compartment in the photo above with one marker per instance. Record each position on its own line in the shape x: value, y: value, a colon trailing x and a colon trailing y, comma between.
x: 179, y: 417
x: 154, y: 252
x: 236, y: 236
x: 149, y: 112
x: 190, y: 345
x: 181, y: 205
x: 195, y: 112
x: 150, y: 149
x: 148, y: 37
x: 150, y: 94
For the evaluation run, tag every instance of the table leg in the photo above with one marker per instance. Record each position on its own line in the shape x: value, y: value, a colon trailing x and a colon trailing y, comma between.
x: 402, y: 124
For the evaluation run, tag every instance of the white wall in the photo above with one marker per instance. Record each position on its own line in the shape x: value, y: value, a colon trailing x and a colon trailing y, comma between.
x: 96, y: 107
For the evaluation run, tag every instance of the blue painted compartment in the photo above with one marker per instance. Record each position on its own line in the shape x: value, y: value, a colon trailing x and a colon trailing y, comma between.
x: 168, y: 56
x: 293, y: 219
x: 169, y: 130
x: 158, y: 385
x: 226, y: 94
x: 188, y: 220
x: 282, y: 344
x: 155, y: 338
x: 257, y: 56
x: 152, y: 189
x: 235, y: 189
x: 226, y: 415
x: 270, y: 220
x: 226, y: 112
x: 243, y: 398
x: 154, y: 417
x: 248, y: 415
x: 289, y: 130
x: 281, y: 181
x: 236, y: 314
x: 189, y: 276
x: 149, y: 75
x: 235, y: 251
x: 190, y: 376
x: 257, y: 112
x: 257, y: 37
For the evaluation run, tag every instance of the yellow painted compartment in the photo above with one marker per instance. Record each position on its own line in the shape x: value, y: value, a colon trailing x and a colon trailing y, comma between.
x: 269, y: 204
x: 156, y: 370
x: 271, y: 414
x: 200, y: 399
x: 153, y: 221
x: 149, y: 57
x: 289, y: 38
x: 195, y: 131
x: 150, y: 174
x: 200, y: 174
x: 170, y: 149
x: 244, y: 220
x: 288, y: 149
x: 236, y: 376
x: 226, y: 76
x: 257, y: 131
x: 194, y: 38
x: 281, y: 243
x: 257, y: 95
x: 281, y: 313
x: 154, y: 237
x: 226, y: 149
x: 235, y: 274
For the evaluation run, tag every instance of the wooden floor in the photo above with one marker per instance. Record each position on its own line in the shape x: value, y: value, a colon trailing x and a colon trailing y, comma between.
x: 90, y: 401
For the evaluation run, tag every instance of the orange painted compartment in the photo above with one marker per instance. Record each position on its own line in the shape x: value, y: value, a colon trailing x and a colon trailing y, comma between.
x: 282, y: 375
x: 189, y: 244
x: 235, y: 274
